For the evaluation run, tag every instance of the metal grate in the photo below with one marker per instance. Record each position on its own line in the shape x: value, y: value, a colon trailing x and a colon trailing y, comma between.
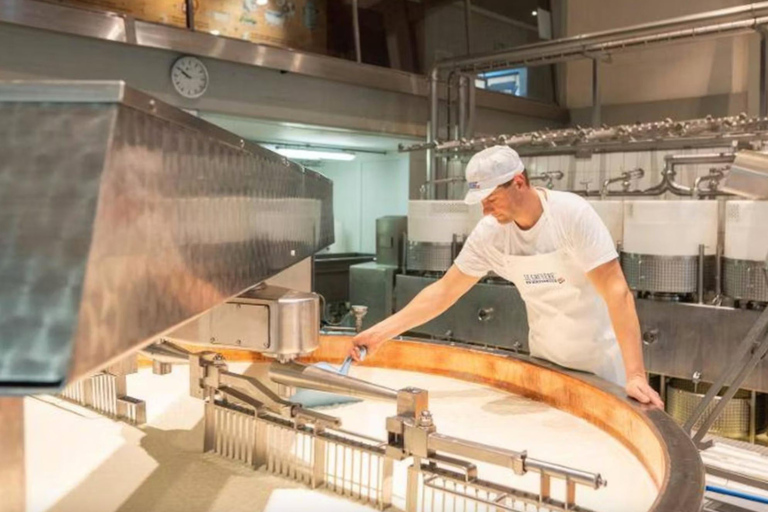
x: 429, y: 257
x: 347, y: 464
x: 666, y: 274
x: 443, y: 490
x: 745, y: 280
x: 105, y: 393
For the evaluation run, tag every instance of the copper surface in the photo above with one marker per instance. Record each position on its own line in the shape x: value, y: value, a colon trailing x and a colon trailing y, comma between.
x: 665, y: 451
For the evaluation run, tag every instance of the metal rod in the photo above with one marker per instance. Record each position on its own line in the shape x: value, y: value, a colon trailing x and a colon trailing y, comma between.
x: 718, y: 22
x: 596, y: 114
x: 700, y: 275
x: 432, y: 130
x: 463, y: 105
x: 763, y: 73
x: 356, y: 28
x: 468, y: 25
x: 311, y: 377
x: 755, y: 345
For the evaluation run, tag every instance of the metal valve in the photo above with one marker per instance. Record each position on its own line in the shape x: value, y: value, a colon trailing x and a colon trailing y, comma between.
x: 485, y: 314
x: 650, y: 336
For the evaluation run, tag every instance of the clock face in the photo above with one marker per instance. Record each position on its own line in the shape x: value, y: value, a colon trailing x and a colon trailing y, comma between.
x: 189, y: 77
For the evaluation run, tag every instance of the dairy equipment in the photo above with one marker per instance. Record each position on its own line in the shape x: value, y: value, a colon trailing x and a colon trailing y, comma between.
x: 165, y: 273
x: 663, y: 241
x: 746, y: 244
x: 436, y: 232
x: 611, y: 212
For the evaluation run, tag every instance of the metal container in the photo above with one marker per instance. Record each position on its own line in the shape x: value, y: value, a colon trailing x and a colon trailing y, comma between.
x: 390, y: 235
x: 430, y: 257
x: 734, y: 422
x: 746, y: 247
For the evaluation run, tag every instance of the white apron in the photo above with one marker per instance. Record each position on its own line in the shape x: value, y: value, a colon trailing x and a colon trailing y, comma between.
x: 568, y: 320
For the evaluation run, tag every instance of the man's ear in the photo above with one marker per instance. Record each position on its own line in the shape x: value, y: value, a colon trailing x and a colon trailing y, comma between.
x: 519, y: 181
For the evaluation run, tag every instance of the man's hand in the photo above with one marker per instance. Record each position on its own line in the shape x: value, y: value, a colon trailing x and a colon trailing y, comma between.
x: 639, y: 389
x: 370, y: 339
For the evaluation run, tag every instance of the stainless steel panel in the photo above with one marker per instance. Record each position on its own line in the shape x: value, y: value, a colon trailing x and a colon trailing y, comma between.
x: 745, y: 280
x: 390, y: 235
x: 682, y: 339
x: 122, y: 220
x: 372, y: 285
x: 429, y: 257
x: 488, y: 314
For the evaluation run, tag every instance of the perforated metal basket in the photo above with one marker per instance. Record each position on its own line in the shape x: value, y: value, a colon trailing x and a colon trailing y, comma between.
x: 682, y: 400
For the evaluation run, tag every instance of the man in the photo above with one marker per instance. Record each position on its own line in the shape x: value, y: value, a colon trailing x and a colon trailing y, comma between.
x: 556, y: 250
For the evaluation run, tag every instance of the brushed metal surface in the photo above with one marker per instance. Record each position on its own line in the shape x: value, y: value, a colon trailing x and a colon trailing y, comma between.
x: 694, y: 338
x: 488, y: 314
x: 119, y: 224
x: 745, y: 280
x: 372, y: 285
x: 429, y: 257
x: 666, y: 274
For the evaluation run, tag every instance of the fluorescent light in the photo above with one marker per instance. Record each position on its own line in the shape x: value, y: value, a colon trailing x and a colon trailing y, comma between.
x: 262, y: 2
x: 534, y: 13
x: 312, y: 154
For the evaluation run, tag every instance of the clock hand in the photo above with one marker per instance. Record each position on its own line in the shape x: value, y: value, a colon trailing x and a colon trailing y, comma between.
x: 185, y: 73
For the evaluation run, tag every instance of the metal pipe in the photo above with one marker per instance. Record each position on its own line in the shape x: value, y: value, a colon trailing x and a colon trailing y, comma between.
x: 700, y: 275
x: 471, y: 96
x: 596, y: 115
x: 432, y: 129
x: 463, y: 105
x: 594, y: 480
x: 297, y: 375
x: 468, y: 24
x: 720, y: 130
x: 166, y: 352
x: 449, y: 107
x: 356, y: 28
x: 711, y: 23
x: 763, y: 73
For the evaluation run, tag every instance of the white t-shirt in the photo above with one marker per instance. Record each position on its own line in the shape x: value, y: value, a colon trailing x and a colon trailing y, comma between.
x: 582, y: 234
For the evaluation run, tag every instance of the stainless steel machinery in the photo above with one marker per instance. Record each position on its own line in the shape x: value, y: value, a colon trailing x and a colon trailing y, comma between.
x: 122, y: 218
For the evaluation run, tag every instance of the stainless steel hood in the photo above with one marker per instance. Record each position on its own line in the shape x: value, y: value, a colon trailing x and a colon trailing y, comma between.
x: 122, y: 217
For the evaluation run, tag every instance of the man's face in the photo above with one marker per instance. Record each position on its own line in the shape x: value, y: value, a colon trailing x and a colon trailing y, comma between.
x: 504, y: 202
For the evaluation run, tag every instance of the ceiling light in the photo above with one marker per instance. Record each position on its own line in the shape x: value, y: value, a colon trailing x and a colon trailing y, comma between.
x: 534, y: 13
x: 262, y: 2
x: 312, y: 154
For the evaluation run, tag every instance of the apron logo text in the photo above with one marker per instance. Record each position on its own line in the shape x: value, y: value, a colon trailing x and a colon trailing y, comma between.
x: 543, y: 278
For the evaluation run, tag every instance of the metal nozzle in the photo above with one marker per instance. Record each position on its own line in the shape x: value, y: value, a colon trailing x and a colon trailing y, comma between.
x: 311, y: 377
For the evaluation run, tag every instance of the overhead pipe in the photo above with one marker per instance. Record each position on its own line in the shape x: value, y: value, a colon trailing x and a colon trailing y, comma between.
x: 579, y: 138
x: 731, y: 21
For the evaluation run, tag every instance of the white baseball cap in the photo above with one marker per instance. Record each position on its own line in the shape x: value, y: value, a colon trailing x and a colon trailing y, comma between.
x: 490, y: 168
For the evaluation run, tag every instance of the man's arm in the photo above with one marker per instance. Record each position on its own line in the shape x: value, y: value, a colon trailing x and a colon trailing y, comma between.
x: 609, y: 281
x: 429, y: 303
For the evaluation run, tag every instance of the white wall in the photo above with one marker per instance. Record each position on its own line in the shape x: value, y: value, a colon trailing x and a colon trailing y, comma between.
x: 363, y: 190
